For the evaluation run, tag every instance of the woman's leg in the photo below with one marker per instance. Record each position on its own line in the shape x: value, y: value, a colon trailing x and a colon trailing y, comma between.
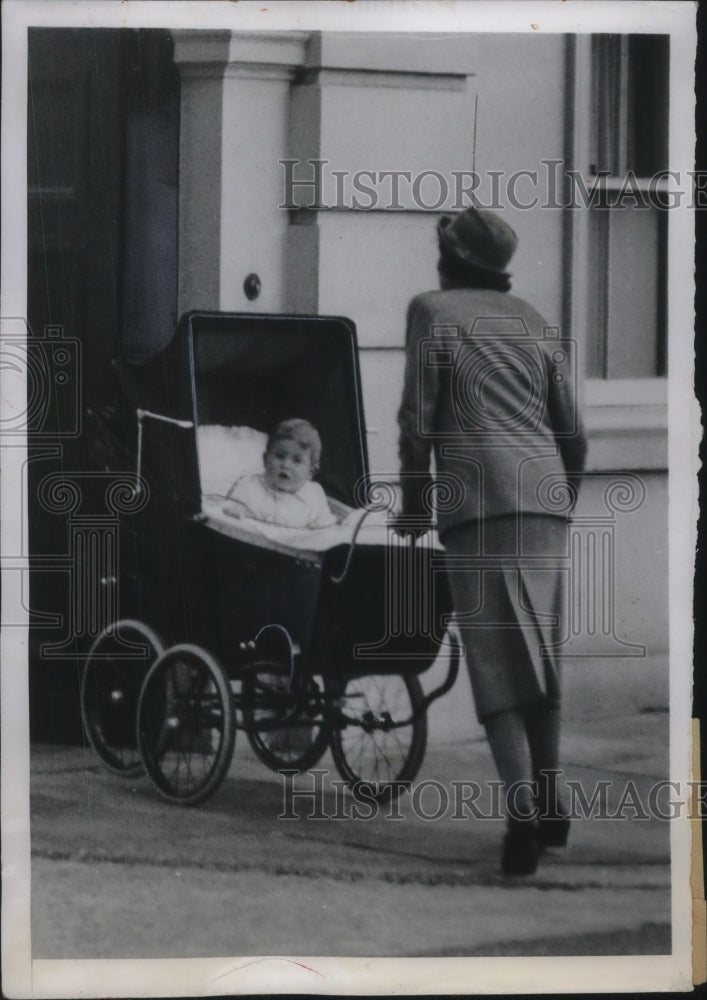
x: 543, y: 728
x: 508, y: 739
x: 542, y: 725
x: 525, y: 749
x: 509, y: 745
x: 502, y: 676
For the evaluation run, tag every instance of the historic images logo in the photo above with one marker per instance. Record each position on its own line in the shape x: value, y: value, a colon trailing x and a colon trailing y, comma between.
x: 50, y: 367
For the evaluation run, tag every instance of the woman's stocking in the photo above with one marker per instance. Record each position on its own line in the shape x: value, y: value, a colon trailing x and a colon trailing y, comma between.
x: 508, y: 739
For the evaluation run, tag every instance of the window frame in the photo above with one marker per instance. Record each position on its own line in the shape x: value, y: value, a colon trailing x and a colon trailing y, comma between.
x: 624, y: 416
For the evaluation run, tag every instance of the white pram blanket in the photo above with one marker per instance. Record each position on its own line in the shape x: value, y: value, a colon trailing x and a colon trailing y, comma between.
x: 374, y: 529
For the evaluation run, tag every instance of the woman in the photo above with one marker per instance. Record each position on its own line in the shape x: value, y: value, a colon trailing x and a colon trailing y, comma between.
x: 489, y: 385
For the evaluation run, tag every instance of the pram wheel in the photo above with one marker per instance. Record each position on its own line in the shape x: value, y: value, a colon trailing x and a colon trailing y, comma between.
x: 110, y: 688
x: 268, y: 698
x: 375, y: 751
x: 185, y: 724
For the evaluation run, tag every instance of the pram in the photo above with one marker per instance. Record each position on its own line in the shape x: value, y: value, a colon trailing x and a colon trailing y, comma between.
x: 303, y: 639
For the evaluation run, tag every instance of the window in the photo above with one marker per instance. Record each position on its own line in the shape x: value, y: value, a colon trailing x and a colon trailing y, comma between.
x: 629, y: 104
x: 626, y: 266
x: 627, y: 286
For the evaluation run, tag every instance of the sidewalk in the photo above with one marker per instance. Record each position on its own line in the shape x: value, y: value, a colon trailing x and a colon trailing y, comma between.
x: 119, y: 873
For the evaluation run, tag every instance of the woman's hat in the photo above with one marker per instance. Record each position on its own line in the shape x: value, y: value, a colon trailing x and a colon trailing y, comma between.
x: 479, y: 238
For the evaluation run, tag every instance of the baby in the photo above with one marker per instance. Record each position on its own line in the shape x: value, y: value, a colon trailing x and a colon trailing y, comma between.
x: 284, y: 493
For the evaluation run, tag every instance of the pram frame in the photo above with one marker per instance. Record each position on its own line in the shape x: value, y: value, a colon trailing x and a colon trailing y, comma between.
x: 273, y: 682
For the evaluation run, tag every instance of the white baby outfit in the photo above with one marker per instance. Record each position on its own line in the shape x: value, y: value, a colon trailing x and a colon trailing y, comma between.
x: 307, y: 508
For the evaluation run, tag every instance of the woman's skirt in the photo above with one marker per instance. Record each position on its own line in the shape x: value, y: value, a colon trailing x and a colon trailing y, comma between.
x: 506, y: 576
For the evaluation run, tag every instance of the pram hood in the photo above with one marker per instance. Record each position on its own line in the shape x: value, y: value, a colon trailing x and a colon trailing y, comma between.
x: 254, y: 370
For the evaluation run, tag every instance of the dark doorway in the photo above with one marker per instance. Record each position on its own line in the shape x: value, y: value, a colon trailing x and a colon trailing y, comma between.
x: 103, y: 140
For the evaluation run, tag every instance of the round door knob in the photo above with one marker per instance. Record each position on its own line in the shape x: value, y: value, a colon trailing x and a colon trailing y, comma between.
x: 251, y: 287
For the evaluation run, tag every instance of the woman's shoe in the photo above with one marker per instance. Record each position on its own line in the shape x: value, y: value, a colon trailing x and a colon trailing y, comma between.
x: 553, y: 831
x: 521, y: 848
x: 553, y: 821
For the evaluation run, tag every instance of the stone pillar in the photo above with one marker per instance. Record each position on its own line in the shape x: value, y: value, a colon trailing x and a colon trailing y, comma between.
x: 235, y: 109
x: 201, y: 57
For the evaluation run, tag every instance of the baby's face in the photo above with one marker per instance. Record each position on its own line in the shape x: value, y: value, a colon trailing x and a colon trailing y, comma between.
x: 288, y: 466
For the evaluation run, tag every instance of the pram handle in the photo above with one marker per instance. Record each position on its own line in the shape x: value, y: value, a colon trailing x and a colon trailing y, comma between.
x: 141, y: 414
x: 352, y: 544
